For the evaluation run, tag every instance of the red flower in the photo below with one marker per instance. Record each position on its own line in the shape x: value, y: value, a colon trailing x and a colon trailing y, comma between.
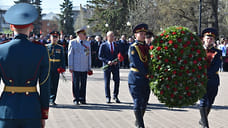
x: 193, y: 70
x: 188, y: 42
x: 190, y: 55
x: 199, y: 67
x: 151, y: 47
x: 180, y: 74
x: 151, y: 76
x: 189, y: 94
x: 158, y: 48
x: 151, y: 56
x: 179, y: 40
x: 182, y: 32
x: 192, y: 49
x: 172, y: 95
x: 185, y: 61
x: 198, y: 51
x: 174, y: 72
x: 166, y: 48
x: 199, y: 59
x: 174, y: 33
x: 176, y: 82
x: 167, y: 86
x: 194, y: 62
x: 187, y: 71
x: 161, y: 41
x: 174, y: 89
x: 162, y: 34
x: 174, y: 62
x: 182, y: 67
x: 166, y: 60
x: 196, y: 43
x: 161, y: 92
x: 158, y: 57
x: 191, y: 38
x: 180, y: 97
x: 185, y: 45
x: 170, y: 42
x: 175, y: 46
x: 166, y: 36
x: 186, y: 88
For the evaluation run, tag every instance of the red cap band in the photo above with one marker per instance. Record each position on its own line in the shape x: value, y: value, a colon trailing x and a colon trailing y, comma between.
x: 21, y: 26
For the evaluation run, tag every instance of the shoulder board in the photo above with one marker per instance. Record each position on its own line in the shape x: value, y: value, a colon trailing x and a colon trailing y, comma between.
x: 37, y: 42
x: 134, y: 44
x: 3, y: 42
x: 59, y: 45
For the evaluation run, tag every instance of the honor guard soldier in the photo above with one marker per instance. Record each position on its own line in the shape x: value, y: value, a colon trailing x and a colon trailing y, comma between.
x: 57, y: 60
x: 22, y: 64
x: 214, y: 59
x: 138, y: 76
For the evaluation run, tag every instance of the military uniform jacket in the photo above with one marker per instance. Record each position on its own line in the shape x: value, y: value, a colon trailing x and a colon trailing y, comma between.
x: 22, y: 64
x: 79, y: 55
x: 57, y: 56
x: 138, y: 57
x: 214, y: 59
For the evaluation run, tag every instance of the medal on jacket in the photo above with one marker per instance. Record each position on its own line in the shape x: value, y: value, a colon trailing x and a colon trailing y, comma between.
x: 86, y: 50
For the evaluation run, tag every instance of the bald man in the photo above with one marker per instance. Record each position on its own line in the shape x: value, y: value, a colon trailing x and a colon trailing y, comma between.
x: 107, y: 53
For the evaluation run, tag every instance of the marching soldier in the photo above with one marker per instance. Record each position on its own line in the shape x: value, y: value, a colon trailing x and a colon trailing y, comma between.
x: 22, y: 64
x: 57, y: 60
x: 214, y: 59
x: 137, y: 79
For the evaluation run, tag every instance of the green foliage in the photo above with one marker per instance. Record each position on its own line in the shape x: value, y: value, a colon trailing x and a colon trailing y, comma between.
x: 114, y: 13
x: 66, y: 18
x: 178, y: 67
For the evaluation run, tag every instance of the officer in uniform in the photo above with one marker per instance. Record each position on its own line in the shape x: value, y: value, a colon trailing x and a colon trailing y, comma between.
x: 22, y: 64
x: 57, y: 60
x: 138, y: 76
x: 214, y: 59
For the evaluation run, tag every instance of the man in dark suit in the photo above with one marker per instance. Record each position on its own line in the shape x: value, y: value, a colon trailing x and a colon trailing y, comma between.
x: 108, y: 54
x: 22, y: 64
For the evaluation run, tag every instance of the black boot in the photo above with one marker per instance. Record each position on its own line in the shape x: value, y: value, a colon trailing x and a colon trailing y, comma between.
x: 139, y: 119
x: 204, y: 121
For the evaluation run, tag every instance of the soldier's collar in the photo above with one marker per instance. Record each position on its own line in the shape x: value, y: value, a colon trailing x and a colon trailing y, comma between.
x: 141, y: 42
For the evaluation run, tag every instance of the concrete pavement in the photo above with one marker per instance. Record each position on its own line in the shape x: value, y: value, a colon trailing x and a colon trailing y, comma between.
x: 97, y: 114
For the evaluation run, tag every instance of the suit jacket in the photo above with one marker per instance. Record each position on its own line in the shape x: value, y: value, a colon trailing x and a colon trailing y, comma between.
x: 22, y: 64
x: 105, y: 54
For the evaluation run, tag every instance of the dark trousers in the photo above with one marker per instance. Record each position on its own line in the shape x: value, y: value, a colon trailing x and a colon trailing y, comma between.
x: 20, y: 123
x: 116, y: 78
x: 54, y: 76
x: 79, y: 85
x: 209, y: 97
x: 140, y: 95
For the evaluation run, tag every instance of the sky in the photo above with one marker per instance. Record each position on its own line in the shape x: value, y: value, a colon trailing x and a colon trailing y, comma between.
x: 47, y: 5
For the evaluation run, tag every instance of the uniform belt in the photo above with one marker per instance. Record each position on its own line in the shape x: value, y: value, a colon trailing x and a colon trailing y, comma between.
x: 55, y: 60
x: 14, y: 89
x: 134, y: 69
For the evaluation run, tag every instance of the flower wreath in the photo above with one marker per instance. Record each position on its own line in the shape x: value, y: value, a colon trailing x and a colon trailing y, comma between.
x: 177, y: 67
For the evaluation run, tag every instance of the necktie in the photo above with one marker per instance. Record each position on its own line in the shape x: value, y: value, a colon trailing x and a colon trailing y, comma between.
x: 111, y: 49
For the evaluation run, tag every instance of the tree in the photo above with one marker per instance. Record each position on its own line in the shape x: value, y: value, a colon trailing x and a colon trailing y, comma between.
x: 66, y: 18
x: 109, y: 15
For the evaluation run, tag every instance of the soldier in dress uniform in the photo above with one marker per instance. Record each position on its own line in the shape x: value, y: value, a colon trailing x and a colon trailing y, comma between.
x: 214, y: 59
x: 22, y: 64
x: 138, y: 76
x: 57, y: 60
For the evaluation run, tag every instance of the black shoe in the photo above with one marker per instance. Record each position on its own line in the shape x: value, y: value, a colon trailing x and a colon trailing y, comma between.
x: 76, y: 102
x: 108, y: 100
x: 52, y: 103
x: 116, y: 99
x: 82, y: 102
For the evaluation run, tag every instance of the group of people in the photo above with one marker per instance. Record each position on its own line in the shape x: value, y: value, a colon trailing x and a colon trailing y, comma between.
x: 23, y: 63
